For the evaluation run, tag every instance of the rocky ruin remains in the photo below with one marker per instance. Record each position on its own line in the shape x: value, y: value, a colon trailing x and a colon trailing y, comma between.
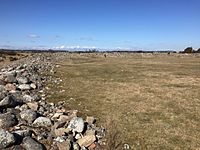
x: 28, y: 122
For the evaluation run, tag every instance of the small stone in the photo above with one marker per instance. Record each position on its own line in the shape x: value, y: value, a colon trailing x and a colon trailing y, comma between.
x: 86, y: 140
x: 2, y: 95
x: 8, y: 101
x: 24, y: 87
x: 27, y: 98
x: 61, y: 131
x: 7, y: 120
x: 10, y: 78
x: 90, y: 132
x: 76, y: 124
x: 6, y: 139
x: 126, y: 146
x: 78, y: 136
x: 59, y: 139
x: 22, y: 80
x: 2, y: 88
x: 33, y: 105
x: 2, y: 82
x: 28, y: 115
x: 76, y: 146
x: 90, y: 119
x: 92, y: 146
x: 10, y: 87
x: 33, y: 86
x: 56, y: 116
x: 23, y: 107
x: 42, y: 121
x: 31, y: 144
x: 23, y: 133
x: 66, y: 145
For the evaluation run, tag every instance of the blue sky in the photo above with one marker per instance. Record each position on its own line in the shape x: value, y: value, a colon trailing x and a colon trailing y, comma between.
x: 134, y: 24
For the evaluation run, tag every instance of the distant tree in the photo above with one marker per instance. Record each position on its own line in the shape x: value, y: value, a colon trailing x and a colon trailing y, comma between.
x: 188, y: 50
x: 198, y: 51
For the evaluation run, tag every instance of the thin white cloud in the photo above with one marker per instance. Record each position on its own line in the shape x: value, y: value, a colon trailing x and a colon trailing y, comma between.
x: 33, y: 36
x: 65, y: 47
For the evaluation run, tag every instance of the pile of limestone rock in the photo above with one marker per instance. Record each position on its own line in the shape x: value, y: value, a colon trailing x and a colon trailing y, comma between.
x: 28, y: 122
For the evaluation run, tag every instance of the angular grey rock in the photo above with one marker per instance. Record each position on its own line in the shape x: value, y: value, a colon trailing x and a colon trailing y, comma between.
x: 24, y: 87
x: 7, y: 120
x: 8, y: 101
x: 31, y: 144
x: 22, y: 80
x: 2, y: 88
x: 2, y: 95
x: 6, y: 139
x: 2, y: 82
x: 23, y: 133
x: 42, y: 122
x: 28, y: 115
x: 10, y: 78
x: 76, y: 124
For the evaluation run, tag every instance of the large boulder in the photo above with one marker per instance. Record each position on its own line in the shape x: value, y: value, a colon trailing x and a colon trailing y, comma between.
x: 6, y: 139
x: 7, y: 120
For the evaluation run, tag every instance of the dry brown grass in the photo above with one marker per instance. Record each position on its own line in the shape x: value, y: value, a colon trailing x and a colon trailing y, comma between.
x: 154, y: 99
x: 9, y: 57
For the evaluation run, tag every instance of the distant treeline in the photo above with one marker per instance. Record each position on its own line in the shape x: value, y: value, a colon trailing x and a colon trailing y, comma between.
x: 191, y: 50
x: 14, y: 52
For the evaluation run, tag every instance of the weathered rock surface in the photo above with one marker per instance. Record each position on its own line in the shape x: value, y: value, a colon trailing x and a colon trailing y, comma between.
x: 7, y: 120
x: 22, y: 80
x: 10, y: 87
x: 10, y: 78
x: 86, y: 140
x: 9, y: 101
x: 28, y: 115
x: 31, y: 144
x: 24, y: 87
x: 6, y: 139
x: 42, y: 122
x: 25, y: 115
x: 66, y: 145
x: 76, y: 124
x: 33, y: 105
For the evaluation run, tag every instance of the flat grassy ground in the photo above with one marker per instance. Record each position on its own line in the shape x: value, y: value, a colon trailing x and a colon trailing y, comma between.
x: 154, y: 99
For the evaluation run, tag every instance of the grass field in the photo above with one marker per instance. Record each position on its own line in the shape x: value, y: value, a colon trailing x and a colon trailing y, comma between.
x: 153, y: 99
